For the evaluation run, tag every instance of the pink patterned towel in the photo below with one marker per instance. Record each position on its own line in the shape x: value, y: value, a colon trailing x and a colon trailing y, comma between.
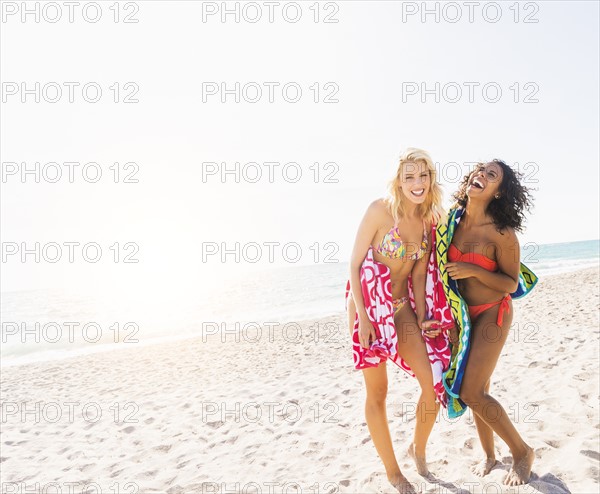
x: 376, y: 290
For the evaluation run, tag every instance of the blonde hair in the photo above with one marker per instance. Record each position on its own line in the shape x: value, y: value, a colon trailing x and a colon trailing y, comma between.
x: 431, y: 209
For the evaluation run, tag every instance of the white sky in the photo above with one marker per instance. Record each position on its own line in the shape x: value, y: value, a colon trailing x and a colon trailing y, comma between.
x: 369, y: 54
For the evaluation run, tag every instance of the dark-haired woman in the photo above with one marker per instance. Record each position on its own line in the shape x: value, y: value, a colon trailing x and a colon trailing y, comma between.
x: 485, y: 259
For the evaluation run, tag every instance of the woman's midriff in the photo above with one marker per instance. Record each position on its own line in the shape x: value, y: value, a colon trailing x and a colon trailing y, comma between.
x: 485, y: 299
x: 399, y: 272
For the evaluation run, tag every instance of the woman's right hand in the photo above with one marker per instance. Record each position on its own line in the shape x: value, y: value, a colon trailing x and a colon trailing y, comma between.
x: 431, y: 327
x: 366, y: 332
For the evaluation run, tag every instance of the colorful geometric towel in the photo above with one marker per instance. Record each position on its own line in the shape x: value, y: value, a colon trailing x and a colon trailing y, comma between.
x: 460, y: 352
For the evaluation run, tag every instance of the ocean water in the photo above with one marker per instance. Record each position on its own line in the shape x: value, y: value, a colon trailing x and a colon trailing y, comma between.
x: 40, y: 325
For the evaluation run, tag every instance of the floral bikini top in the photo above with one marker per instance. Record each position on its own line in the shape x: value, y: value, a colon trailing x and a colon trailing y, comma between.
x: 391, y: 246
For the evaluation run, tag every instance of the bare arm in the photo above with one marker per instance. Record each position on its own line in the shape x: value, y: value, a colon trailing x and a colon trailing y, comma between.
x: 364, y: 236
x: 506, y: 279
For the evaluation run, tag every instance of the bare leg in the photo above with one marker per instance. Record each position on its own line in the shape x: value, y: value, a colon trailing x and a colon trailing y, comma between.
x: 486, y: 437
x: 486, y: 345
x: 376, y: 416
x: 412, y: 349
x: 375, y: 412
x: 351, y: 313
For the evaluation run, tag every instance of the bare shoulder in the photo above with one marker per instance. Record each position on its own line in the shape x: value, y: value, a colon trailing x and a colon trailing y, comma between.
x: 379, y: 204
x: 507, y: 233
x: 506, y: 237
x: 378, y: 209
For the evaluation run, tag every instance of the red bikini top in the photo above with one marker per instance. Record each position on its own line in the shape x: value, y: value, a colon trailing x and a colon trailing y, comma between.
x: 455, y: 255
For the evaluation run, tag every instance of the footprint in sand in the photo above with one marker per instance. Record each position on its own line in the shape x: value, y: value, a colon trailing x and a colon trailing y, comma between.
x: 584, y: 376
x: 310, y: 453
x: 148, y: 475
x: 594, y: 455
x: 116, y: 473
x: 216, y: 424
x: 86, y: 467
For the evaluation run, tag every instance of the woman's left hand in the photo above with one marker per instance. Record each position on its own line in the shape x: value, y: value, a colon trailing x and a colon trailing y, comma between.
x: 461, y: 270
x: 431, y: 328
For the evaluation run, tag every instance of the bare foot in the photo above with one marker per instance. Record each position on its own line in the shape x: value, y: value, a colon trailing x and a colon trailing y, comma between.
x: 401, y: 483
x: 420, y: 461
x: 521, y: 469
x: 484, y: 466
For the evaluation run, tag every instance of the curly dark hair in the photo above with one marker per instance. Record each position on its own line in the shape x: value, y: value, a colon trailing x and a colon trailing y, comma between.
x: 509, y: 209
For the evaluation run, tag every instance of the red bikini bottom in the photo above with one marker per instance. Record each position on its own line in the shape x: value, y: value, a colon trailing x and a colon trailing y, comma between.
x: 476, y: 310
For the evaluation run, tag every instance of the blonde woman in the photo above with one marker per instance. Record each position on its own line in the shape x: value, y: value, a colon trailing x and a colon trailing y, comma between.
x: 395, y: 232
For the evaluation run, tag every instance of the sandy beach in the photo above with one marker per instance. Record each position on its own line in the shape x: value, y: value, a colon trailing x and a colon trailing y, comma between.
x: 281, y: 410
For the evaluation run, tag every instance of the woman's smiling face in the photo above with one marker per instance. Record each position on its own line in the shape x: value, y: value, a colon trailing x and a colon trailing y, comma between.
x: 485, y: 181
x: 416, y: 181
